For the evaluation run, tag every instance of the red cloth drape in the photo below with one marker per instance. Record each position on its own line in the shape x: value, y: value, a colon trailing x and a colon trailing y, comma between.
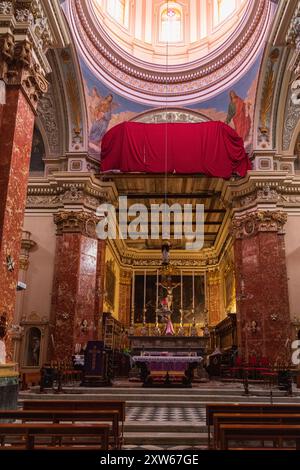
x: 210, y: 148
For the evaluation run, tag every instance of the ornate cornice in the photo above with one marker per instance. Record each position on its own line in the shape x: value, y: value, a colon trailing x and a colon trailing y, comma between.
x: 64, y: 191
x: 252, y: 223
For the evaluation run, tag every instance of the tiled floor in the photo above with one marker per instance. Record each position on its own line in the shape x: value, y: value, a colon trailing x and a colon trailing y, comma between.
x: 162, y: 414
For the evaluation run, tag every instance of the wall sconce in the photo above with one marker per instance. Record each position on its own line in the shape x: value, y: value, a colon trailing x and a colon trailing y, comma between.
x: 85, y: 327
x: 252, y: 327
x: 274, y: 316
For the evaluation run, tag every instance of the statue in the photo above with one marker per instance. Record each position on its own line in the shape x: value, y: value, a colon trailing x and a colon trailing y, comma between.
x: 166, y: 317
x: 165, y: 253
x: 169, y: 287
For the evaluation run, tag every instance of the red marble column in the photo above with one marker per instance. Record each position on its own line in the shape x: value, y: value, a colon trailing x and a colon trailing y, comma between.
x: 263, y: 318
x: 76, y: 283
x: 24, y: 84
x: 15, y: 149
x: 125, y: 297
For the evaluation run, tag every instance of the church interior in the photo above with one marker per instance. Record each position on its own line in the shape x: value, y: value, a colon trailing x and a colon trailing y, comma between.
x: 149, y: 217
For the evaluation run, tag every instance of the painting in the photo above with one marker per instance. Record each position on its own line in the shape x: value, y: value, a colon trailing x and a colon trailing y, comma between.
x: 187, y: 299
x: 37, y: 152
x: 106, y: 109
x: 110, y: 284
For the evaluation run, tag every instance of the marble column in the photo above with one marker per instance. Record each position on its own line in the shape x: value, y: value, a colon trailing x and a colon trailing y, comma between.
x: 99, y: 296
x: 263, y: 318
x: 214, y: 294
x: 24, y: 83
x: 125, y: 297
x: 76, y: 283
x: 17, y: 331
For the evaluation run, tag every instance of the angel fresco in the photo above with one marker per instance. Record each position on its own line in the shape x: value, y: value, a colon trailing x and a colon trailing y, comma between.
x: 100, y: 110
x: 238, y: 112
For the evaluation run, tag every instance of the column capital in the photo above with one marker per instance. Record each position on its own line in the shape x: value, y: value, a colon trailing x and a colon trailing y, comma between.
x: 76, y: 222
x: 251, y: 223
x: 18, y: 68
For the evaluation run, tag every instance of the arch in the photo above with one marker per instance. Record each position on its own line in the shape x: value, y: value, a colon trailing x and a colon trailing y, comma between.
x: 170, y: 115
x: 170, y: 23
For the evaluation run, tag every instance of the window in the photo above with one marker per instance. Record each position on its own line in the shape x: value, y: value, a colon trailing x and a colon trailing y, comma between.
x: 223, y: 9
x: 171, y: 23
x: 116, y: 9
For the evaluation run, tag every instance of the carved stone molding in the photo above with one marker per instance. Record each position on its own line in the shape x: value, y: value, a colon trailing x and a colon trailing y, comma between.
x: 25, y: 39
x: 260, y: 221
x: 76, y: 222
x: 19, y: 68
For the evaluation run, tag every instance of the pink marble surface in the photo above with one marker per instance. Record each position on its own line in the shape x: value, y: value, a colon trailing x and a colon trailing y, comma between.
x: 262, y: 292
x: 74, y: 293
x: 15, y: 150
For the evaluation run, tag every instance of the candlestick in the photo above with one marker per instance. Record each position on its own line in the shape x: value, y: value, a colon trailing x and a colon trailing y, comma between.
x: 132, y: 298
x: 157, y: 289
x: 193, y: 291
x: 144, y: 314
x: 181, y: 290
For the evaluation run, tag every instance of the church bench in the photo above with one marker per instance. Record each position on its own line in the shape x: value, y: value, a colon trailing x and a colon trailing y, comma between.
x: 31, y: 435
x: 59, y: 416
x: 251, y: 418
x: 258, y: 432
x: 212, y: 408
x: 83, y: 405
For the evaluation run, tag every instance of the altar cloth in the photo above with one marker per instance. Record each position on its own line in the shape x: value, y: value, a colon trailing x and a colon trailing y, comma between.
x: 210, y: 148
x: 167, y: 363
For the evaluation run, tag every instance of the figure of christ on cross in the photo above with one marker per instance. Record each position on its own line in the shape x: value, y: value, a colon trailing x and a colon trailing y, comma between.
x: 169, y: 287
x: 94, y: 353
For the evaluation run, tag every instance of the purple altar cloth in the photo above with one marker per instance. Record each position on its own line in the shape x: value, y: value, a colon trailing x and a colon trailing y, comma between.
x: 167, y: 363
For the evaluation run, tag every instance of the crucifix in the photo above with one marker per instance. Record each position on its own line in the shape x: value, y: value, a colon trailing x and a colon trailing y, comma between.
x: 94, y: 353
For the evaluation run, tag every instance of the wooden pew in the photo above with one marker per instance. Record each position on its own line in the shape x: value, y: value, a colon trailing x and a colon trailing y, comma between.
x: 30, y: 432
x: 258, y: 432
x: 212, y: 408
x: 250, y: 418
x: 60, y: 416
x: 83, y: 405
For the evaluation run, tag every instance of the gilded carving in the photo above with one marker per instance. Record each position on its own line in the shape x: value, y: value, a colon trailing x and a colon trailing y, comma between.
x: 259, y: 221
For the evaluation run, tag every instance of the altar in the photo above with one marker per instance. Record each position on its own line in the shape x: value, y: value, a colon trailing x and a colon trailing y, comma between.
x: 171, y: 344
x: 166, y: 369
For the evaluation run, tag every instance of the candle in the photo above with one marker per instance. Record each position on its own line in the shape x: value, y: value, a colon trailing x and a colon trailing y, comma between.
x: 181, y: 282
x: 193, y: 291
x: 156, y: 289
x: 132, y: 298
x: 145, y: 278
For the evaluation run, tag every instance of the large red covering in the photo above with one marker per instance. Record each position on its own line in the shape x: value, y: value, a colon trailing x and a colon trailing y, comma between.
x: 210, y: 148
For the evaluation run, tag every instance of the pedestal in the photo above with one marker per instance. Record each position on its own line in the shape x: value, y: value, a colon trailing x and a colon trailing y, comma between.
x: 9, y: 386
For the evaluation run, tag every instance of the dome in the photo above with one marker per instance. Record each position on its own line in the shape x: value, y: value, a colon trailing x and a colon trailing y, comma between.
x: 182, y: 31
x: 173, y: 52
